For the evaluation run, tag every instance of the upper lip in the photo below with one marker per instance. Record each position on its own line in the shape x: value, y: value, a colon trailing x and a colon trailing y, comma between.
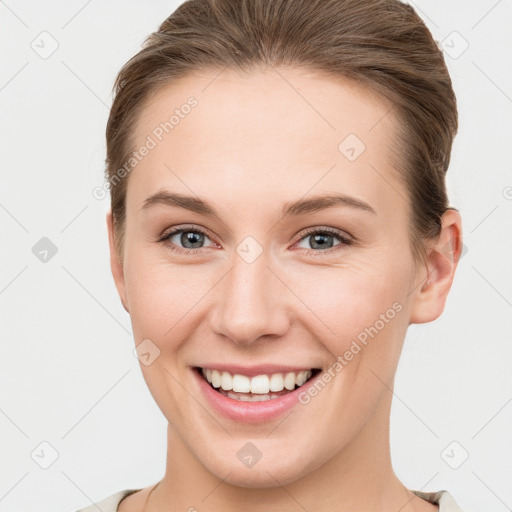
x: 252, y: 371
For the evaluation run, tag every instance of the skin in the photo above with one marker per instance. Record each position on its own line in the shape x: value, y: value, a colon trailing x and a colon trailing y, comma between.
x: 252, y: 144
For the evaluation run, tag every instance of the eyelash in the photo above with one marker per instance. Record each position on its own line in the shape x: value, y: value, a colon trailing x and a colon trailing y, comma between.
x: 345, y: 241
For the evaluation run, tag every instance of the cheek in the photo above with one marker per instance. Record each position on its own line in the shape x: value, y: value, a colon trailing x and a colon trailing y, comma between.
x: 162, y: 298
x: 346, y: 301
x: 159, y: 293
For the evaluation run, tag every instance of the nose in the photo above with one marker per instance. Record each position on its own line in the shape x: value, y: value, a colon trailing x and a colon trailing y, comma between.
x: 251, y: 303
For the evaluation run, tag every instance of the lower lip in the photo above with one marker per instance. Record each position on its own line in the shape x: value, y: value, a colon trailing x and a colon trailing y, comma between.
x: 249, y: 412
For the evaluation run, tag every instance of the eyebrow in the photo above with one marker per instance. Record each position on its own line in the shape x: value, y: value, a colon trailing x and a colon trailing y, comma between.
x: 294, y: 208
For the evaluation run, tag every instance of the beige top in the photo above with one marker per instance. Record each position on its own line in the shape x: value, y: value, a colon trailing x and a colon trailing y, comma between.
x: 443, y: 499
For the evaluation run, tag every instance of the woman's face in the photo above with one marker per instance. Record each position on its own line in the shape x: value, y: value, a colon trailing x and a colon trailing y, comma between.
x: 250, y: 290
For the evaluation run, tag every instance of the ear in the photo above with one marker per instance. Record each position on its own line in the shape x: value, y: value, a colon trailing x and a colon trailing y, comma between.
x: 116, y: 264
x: 442, y: 259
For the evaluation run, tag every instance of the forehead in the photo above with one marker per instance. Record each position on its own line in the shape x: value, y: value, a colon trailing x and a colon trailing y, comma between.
x: 266, y: 102
x: 285, y: 130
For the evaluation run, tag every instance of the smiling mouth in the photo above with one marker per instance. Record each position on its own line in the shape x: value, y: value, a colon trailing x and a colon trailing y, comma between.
x: 259, y: 388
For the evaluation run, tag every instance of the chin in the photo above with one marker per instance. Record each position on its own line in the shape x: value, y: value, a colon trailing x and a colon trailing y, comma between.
x: 276, y: 470
x: 263, y: 477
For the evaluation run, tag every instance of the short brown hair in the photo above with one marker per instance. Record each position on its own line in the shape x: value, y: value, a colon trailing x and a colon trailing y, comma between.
x: 381, y: 44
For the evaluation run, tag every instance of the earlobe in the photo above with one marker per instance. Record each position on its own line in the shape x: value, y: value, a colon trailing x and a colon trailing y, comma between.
x: 442, y: 259
x: 116, y: 264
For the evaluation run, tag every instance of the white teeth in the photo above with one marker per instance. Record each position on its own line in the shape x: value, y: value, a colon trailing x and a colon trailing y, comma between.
x: 301, y: 378
x: 289, y: 381
x: 276, y: 382
x: 241, y: 384
x: 215, y: 379
x: 249, y: 398
x: 260, y: 384
x: 226, y: 382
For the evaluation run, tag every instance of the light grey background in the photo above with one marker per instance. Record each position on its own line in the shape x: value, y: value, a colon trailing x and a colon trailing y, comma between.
x: 68, y: 374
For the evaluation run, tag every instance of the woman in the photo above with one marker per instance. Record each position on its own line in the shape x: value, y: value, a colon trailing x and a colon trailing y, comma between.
x: 278, y: 219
